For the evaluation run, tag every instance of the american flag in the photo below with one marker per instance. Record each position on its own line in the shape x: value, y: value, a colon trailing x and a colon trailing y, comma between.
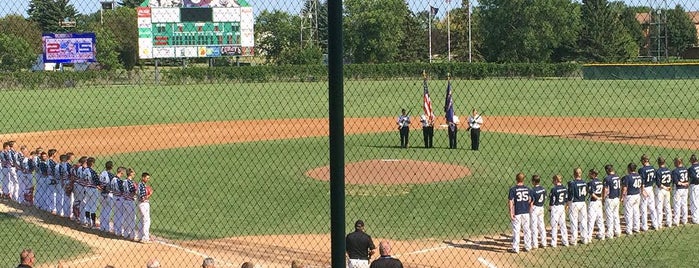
x: 449, y: 105
x: 426, y: 101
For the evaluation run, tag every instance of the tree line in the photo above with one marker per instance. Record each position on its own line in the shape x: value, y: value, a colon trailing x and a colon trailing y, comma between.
x: 387, y: 31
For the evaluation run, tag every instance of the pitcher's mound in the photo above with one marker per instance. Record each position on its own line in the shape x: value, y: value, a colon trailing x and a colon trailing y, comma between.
x: 394, y: 171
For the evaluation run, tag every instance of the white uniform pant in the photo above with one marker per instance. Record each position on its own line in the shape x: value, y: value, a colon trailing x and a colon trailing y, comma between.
x: 558, y: 220
x: 106, y: 213
x: 66, y: 204
x: 78, y: 198
x: 611, y: 208
x: 129, y: 219
x: 632, y: 213
x: 578, y: 221
x: 356, y: 263
x: 14, y: 184
x: 680, y: 206
x: 694, y: 202
x: 521, y: 223
x: 594, y: 215
x: 26, y: 181
x: 5, y: 182
x: 662, y: 201
x: 41, y: 192
x: 144, y: 220
x: 538, y: 226
x: 52, y: 196
x: 118, y: 215
x: 648, y: 208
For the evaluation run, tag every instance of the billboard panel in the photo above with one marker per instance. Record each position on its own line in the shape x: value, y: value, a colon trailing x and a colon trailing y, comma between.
x: 69, y: 47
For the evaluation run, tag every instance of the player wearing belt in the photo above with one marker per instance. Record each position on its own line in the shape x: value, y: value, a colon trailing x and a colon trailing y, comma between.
x: 6, y: 162
x: 26, y: 178
x: 680, y: 178
x: 78, y: 190
x: 54, y: 188
x: 557, y: 201
x: 42, y: 182
x: 65, y: 196
x: 648, y: 204
x: 537, y: 215
x: 119, y: 192
x: 693, y: 172
x: 144, y: 193
x: 662, y: 197
x: 612, y: 191
x: 594, y: 210
x: 631, y: 194
x: 520, y: 202
x: 129, y: 206
x: 91, y: 193
x: 577, y: 193
x: 107, y: 196
x: 14, y: 176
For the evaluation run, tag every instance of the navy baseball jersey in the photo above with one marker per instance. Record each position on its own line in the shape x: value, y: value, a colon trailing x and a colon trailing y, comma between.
x: 647, y: 175
x: 539, y: 195
x: 141, y: 191
x: 693, y: 172
x: 664, y: 177
x: 595, y: 186
x: 633, y: 183
x: 52, y: 167
x: 129, y: 190
x: 613, y: 184
x: 6, y: 161
x: 577, y: 191
x: 680, y: 175
x: 92, y: 177
x: 559, y: 195
x: 521, y: 195
x: 43, y: 168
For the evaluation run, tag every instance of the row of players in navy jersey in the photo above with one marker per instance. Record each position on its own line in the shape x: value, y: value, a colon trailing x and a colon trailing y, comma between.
x: 76, y: 190
x: 645, y: 193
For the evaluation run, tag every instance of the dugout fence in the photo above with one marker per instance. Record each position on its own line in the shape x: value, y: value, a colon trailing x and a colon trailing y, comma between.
x: 254, y: 162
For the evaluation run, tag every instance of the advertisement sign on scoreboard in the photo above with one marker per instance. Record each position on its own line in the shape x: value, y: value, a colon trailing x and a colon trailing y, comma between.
x: 69, y: 47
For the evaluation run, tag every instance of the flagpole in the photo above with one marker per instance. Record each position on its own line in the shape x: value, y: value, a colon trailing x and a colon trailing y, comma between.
x: 448, y: 32
x: 469, y: 30
x: 429, y: 23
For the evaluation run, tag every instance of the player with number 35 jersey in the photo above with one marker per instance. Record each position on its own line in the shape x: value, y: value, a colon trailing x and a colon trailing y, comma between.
x: 520, y: 203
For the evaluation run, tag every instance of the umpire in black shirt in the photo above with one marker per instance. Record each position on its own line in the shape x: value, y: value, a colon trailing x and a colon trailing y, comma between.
x: 359, y: 247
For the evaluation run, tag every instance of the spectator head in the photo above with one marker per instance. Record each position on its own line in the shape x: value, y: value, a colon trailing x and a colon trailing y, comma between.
x: 27, y: 257
x: 384, y: 248
x: 247, y: 264
x: 208, y: 263
x: 153, y: 263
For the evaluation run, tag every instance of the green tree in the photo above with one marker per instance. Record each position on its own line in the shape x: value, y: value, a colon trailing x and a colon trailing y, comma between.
x: 276, y: 31
x: 48, y: 14
x: 301, y: 55
x: 604, y: 38
x: 121, y: 24
x: 680, y: 30
x: 107, y: 49
x: 374, y: 29
x: 459, y: 35
x: 18, y: 26
x: 15, y: 53
x: 527, y: 31
x: 130, y: 3
x: 635, y: 29
x: 413, y: 46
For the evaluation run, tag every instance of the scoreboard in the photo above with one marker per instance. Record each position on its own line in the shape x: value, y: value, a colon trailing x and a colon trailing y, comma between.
x: 189, y: 31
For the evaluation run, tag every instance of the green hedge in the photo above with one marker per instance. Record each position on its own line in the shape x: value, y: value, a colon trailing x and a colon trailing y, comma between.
x: 284, y: 73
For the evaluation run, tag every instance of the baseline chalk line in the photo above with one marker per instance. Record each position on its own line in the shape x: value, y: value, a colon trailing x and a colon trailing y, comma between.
x: 486, y: 262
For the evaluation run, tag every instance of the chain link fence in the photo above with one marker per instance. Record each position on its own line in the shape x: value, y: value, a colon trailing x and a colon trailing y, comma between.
x: 163, y: 133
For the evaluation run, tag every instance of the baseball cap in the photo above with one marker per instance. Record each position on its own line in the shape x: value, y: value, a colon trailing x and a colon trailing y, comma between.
x: 358, y: 223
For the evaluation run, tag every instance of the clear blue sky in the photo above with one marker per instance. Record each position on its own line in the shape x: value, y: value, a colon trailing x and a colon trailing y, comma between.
x: 294, y: 6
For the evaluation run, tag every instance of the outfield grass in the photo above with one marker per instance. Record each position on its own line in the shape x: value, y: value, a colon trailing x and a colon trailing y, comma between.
x: 84, y: 107
x: 48, y: 246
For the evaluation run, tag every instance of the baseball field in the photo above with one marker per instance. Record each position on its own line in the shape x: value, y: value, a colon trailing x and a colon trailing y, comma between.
x: 238, y: 168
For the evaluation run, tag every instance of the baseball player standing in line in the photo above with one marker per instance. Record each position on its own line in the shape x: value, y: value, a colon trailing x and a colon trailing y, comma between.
x: 630, y: 193
x: 42, y: 182
x: 92, y: 190
x: 66, y: 193
x: 648, y: 205
x: 6, y: 164
x: 54, y: 189
x: 577, y: 193
x: 78, y: 190
x: 119, y: 193
x: 594, y: 210
x: 26, y: 179
x: 612, y: 192
x: 680, y: 178
x: 537, y: 214
x: 107, y: 196
x: 557, y: 201
x: 144, y: 194
x: 129, y: 207
x: 693, y: 172
x: 662, y: 197
x: 14, y: 176
x: 520, y: 202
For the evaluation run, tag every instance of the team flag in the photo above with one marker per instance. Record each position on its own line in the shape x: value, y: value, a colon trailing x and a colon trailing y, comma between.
x: 427, y: 101
x: 433, y: 10
x: 449, y: 105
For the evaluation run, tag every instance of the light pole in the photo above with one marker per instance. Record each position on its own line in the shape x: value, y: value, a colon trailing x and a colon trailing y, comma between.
x: 106, y: 5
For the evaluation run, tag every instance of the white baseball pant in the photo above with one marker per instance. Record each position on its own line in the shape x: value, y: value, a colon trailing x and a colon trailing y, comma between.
x: 14, y: 184
x: 521, y: 223
x: 662, y: 201
x: 595, y: 215
x: 144, y: 221
x: 578, y: 222
x: 611, y: 208
x: 106, y: 213
x: 129, y: 219
x: 558, y: 220
x: 25, y: 184
x: 356, y: 263
x: 632, y: 213
x: 648, y: 208
x: 680, y: 206
x: 694, y: 202
x: 538, y: 227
